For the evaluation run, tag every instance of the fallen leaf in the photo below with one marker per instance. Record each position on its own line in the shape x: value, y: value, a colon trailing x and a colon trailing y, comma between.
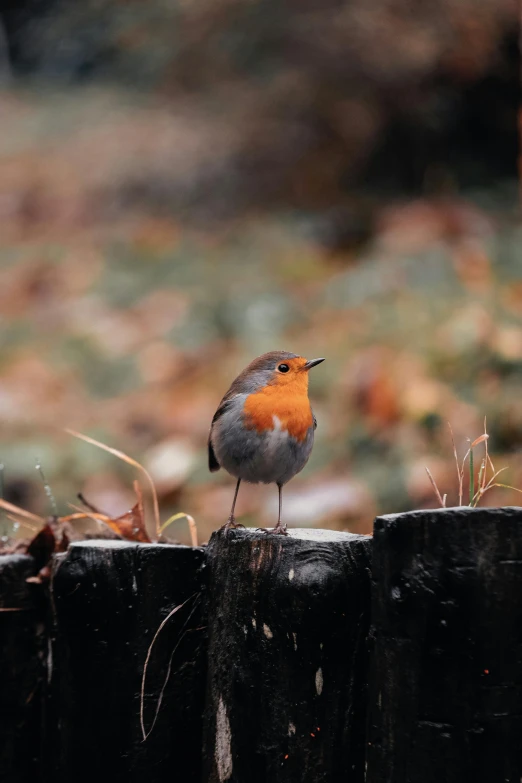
x: 131, y: 524
x: 42, y: 547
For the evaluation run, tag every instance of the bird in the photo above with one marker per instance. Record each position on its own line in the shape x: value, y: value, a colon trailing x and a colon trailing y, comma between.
x: 263, y: 429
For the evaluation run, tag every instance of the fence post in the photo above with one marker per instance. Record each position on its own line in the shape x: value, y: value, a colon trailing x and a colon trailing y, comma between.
x: 446, y: 673
x: 23, y: 654
x: 288, y: 621
x: 110, y: 597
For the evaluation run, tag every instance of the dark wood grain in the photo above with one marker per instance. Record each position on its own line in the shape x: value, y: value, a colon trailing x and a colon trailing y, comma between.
x: 288, y: 622
x: 110, y: 597
x: 446, y: 673
x: 23, y: 654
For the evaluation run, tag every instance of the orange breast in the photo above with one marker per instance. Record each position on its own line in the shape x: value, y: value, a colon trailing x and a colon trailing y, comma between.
x: 293, y: 411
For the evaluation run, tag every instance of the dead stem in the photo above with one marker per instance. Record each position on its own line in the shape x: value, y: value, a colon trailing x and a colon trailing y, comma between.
x: 191, y: 523
x: 459, y: 477
x: 145, y: 734
x: 484, y: 484
x: 130, y: 461
x: 21, y: 512
x: 183, y: 633
x: 442, y: 500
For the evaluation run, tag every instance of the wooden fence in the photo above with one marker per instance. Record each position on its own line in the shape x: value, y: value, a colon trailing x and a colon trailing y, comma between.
x: 283, y: 660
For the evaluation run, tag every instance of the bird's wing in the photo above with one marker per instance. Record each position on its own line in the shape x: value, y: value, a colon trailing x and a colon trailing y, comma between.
x: 224, y: 405
x: 213, y: 464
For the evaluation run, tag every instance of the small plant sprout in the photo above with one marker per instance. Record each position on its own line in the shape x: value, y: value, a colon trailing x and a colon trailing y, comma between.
x: 487, y: 474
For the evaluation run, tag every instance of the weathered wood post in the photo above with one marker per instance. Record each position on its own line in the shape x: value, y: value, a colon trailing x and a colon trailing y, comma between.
x: 446, y: 672
x: 110, y: 597
x: 23, y: 654
x: 288, y: 622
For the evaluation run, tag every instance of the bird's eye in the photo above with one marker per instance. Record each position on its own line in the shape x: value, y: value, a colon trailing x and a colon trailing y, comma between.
x: 283, y: 368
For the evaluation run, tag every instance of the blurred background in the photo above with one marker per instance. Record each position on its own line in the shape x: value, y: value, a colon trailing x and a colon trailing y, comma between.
x: 186, y: 184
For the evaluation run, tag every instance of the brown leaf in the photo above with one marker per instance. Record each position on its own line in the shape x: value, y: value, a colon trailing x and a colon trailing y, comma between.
x: 42, y: 546
x: 131, y: 525
x: 129, y: 461
x: 63, y: 543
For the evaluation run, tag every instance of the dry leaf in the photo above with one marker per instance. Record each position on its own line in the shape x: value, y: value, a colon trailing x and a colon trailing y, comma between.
x: 125, y: 458
x: 130, y: 525
x: 42, y: 547
x: 480, y: 439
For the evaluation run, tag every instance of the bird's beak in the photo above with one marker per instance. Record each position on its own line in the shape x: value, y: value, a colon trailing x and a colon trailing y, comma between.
x: 311, y: 363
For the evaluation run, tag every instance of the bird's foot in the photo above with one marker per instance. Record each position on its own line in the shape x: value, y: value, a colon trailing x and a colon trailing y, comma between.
x: 230, y: 524
x: 278, y: 530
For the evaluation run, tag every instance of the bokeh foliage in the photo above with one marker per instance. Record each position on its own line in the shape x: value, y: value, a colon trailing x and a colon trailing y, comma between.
x: 184, y: 186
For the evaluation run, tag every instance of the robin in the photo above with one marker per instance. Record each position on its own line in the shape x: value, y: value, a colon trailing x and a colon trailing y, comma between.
x: 263, y: 429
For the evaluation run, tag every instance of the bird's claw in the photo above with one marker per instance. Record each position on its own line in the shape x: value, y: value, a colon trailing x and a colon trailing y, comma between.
x: 278, y: 530
x: 231, y: 524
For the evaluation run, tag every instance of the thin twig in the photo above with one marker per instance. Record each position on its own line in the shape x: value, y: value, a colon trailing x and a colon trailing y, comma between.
x: 182, y: 635
x: 149, y: 651
x: 22, y: 523
x: 88, y: 505
x: 21, y: 511
x: 100, y: 518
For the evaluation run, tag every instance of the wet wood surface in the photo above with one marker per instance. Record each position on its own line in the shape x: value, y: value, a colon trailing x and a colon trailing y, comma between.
x: 23, y: 656
x: 110, y: 598
x: 446, y: 673
x: 288, y: 624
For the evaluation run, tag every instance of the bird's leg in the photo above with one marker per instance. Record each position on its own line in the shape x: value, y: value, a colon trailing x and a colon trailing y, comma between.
x: 231, y: 522
x: 280, y: 528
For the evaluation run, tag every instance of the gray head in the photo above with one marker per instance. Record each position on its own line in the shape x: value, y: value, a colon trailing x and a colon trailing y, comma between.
x: 276, y: 367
